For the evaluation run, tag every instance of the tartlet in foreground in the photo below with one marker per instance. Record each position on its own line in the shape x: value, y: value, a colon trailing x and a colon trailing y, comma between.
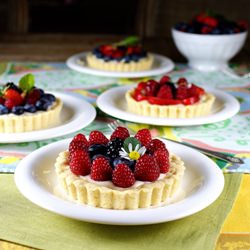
x: 121, y: 173
x: 165, y: 99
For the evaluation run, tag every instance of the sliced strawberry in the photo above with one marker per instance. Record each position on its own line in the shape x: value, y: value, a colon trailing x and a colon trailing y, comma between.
x: 146, y: 169
x: 123, y: 176
x: 97, y: 137
x: 144, y: 136
x: 165, y: 92
x: 160, y: 101
x: 190, y: 100
x: 101, y: 169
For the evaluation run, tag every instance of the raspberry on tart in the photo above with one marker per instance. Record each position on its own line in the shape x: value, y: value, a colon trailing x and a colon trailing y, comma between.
x: 124, y: 56
x: 165, y: 99
x: 24, y: 107
x: 121, y: 173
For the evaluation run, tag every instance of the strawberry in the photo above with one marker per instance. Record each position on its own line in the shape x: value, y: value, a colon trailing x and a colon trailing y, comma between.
x: 101, y: 169
x: 11, y: 94
x: 195, y: 91
x: 144, y: 136
x: 107, y: 50
x: 120, y: 132
x: 33, y: 96
x: 78, y: 142
x: 97, y: 137
x: 80, y: 162
x: 164, y: 79
x: 165, y: 92
x: 162, y: 160
x: 146, y: 169
x: 190, y: 100
x: 156, y: 144
x: 10, y: 103
x: 117, y: 54
x: 161, y: 101
x: 138, y: 96
x: 181, y: 92
x: 210, y: 21
x: 123, y: 176
x: 151, y: 87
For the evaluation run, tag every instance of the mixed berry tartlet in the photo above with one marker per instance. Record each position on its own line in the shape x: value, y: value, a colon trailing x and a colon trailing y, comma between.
x: 124, y: 56
x: 165, y: 99
x: 122, y: 172
x: 26, y: 108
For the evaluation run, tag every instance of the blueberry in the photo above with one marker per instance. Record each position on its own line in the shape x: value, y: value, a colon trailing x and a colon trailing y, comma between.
x: 51, y: 98
x: 97, y: 149
x: 119, y: 160
x: 190, y: 30
x: 135, y: 58
x: 216, y: 31
x: 30, y: 108
x: 42, y: 104
x: 17, y: 110
x: 41, y: 91
x: 127, y: 59
x: 99, y: 55
x: 107, y: 58
x: 3, y: 110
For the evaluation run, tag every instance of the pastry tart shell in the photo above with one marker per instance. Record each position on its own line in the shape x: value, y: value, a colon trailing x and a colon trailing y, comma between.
x: 98, y: 63
x: 26, y: 122
x: 146, y: 195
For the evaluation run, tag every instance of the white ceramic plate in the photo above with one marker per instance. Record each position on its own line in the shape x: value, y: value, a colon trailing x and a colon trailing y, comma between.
x: 161, y: 65
x: 76, y: 114
x: 113, y: 103
x: 202, y: 184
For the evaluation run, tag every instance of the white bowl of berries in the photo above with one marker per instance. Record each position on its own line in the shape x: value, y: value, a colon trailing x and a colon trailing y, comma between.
x: 209, y: 41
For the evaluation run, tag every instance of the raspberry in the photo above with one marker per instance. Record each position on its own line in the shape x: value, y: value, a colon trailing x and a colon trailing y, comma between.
x: 146, y: 169
x: 164, y: 79
x: 78, y: 142
x: 2, y: 100
x: 162, y: 160
x: 156, y: 144
x: 97, y: 137
x: 195, y: 91
x: 143, y: 136
x: 181, y: 92
x: 33, y: 96
x: 14, y: 95
x: 101, y: 169
x: 80, y: 162
x: 120, y: 132
x: 182, y: 81
x: 165, y: 92
x: 123, y: 176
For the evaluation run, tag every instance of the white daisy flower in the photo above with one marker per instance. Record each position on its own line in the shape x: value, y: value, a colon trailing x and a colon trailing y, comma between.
x: 133, y: 154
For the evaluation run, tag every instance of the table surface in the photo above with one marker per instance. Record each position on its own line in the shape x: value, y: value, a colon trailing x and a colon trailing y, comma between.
x: 231, y: 136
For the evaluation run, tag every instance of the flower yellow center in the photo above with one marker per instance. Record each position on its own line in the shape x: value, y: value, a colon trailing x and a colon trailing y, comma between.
x: 134, y: 155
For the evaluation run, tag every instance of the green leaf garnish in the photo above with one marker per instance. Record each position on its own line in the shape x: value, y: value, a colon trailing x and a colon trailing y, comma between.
x: 131, y: 140
x: 131, y: 40
x: 27, y: 82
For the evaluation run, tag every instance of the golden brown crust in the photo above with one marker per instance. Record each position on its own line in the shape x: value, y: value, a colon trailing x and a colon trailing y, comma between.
x: 95, y: 194
x: 12, y: 123
x: 201, y: 108
x: 142, y: 64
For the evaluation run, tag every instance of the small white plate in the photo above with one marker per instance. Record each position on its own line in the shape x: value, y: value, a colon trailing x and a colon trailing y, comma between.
x: 202, y: 183
x: 161, y: 65
x: 113, y: 103
x: 76, y: 114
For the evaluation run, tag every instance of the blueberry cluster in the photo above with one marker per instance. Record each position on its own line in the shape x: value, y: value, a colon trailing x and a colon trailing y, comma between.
x: 135, y: 57
x: 110, y: 152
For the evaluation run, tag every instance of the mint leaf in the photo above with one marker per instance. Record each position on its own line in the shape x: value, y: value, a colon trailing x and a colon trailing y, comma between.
x: 131, y: 40
x: 27, y: 82
x: 131, y: 140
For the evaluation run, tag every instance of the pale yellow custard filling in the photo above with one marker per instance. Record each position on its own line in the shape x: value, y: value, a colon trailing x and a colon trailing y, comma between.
x: 106, y: 195
x: 122, y: 66
x: 11, y: 123
x: 201, y: 108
